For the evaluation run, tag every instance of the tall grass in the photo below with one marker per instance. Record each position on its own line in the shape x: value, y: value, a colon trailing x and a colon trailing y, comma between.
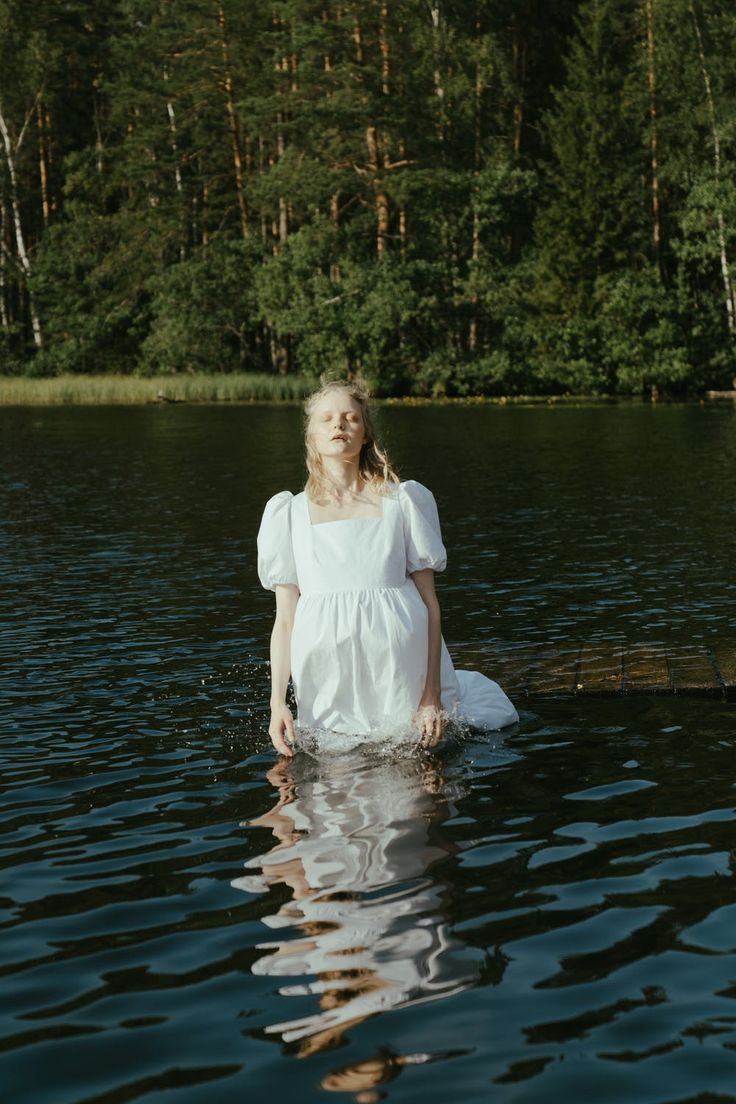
x: 240, y: 387
x: 203, y: 388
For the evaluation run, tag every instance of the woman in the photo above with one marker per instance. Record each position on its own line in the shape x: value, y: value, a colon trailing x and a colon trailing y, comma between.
x: 352, y: 559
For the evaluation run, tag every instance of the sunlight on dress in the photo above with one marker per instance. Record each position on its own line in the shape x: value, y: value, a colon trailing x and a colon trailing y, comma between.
x: 359, y: 641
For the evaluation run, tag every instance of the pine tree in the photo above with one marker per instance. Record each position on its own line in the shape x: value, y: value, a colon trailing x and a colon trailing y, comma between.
x: 590, y: 223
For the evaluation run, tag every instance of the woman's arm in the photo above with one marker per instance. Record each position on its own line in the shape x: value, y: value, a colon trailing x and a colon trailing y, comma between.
x: 430, y: 705
x: 281, y: 726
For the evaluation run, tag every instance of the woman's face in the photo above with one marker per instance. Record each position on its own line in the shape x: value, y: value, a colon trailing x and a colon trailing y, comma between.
x: 336, y: 426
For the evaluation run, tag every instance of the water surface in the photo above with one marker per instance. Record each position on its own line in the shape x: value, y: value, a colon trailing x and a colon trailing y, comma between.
x: 541, y: 915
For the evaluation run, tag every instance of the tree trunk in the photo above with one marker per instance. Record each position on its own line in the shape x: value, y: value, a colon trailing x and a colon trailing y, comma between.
x: 4, y: 318
x: 439, y: 88
x: 381, y: 199
x: 232, y: 124
x: 477, y: 132
x: 174, y: 148
x: 384, y: 47
x: 42, y: 166
x: 50, y: 159
x: 326, y: 62
x: 725, y: 267
x: 335, y: 271
x: 20, y: 245
x: 283, y: 208
x: 282, y: 66
x: 403, y: 215
x: 520, y: 64
x: 358, y: 40
x: 653, y: 152
x: 99, y: 148
x: 177, y: 169
x: 403, y: 220
x: 263, y: 160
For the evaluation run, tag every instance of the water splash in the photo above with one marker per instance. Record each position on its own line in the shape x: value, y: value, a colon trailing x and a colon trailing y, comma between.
x: 387, y: 739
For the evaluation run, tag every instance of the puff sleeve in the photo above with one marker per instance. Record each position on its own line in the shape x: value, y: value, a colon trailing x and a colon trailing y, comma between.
x: 275, y: 552
x: 422, y: 534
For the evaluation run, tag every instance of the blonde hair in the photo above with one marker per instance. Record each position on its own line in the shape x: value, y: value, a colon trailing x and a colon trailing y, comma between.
x: 374, y: 467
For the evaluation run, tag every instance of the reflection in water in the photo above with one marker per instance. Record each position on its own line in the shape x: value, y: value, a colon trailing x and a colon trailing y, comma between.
x: 356, y: 839
x: 362, y: 1078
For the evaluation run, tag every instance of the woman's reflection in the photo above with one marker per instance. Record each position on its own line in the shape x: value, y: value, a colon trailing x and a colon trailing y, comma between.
x: 356, y: 838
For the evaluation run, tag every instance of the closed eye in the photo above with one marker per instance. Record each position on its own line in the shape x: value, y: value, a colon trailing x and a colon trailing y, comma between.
x: 349, y: 415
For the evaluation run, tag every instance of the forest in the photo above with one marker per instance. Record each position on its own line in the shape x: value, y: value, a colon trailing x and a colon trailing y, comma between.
x: 449, y: 197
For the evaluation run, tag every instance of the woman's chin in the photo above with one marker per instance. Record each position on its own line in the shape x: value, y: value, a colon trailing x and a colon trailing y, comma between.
x: 341, y: 450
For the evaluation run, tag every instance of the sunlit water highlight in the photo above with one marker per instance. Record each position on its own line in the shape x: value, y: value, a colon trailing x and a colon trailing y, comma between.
x: 540, y: 915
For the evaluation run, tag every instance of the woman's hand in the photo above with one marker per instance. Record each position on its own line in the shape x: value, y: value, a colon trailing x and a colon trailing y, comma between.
x: 281, y: 728
x: 429, y: 711
x: 430, y: 719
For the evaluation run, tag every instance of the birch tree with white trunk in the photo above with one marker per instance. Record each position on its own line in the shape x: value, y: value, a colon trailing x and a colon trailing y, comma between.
x: 11, y: 145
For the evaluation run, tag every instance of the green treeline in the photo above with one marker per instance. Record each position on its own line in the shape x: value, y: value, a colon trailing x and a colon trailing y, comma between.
x: 449, y: 196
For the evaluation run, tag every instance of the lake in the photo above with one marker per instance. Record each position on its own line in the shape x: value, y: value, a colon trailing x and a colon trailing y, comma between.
x: 547, y: 913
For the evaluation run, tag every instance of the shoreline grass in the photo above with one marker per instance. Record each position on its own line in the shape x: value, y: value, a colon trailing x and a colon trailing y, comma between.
x: 123, y: 390
x: 241, y: 387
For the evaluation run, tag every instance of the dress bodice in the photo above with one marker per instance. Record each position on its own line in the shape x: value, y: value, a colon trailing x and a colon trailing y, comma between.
x: 349, y: 554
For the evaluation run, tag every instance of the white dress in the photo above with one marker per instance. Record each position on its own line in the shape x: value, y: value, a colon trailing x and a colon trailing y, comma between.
x: 359, y: 641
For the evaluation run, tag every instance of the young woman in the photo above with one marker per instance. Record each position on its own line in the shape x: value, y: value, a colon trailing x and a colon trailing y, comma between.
x: 352, y: 559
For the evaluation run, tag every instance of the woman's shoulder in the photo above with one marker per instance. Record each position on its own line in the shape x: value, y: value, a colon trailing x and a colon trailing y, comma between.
x: 281, y: 498
x: 414, y: 491
x: 277, y: 507
x: 403, y: 487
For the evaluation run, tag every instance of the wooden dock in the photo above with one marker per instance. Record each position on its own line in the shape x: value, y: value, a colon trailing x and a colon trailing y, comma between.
x: 608, y: 668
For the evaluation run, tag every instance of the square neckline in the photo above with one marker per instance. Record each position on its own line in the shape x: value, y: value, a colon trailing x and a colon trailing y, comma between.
x: 339, y: 521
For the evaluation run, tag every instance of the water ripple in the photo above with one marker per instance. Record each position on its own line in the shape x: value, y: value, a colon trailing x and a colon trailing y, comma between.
x: 547, y: 915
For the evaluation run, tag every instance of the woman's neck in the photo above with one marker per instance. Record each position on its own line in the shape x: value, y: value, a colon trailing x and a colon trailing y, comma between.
x: 344, y: 475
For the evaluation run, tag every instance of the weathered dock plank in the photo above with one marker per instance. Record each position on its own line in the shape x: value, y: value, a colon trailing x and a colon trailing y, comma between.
x: 646, y: 669
x: 600, y: 670
x: 513, y: 669
x: 606, y: 668
x: 554, y: 670
x: 509, y: 667
x: 692, y: 670
x: 724, y: 657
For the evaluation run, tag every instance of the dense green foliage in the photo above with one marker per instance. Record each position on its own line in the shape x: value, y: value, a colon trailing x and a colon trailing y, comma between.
x: 449, y: 197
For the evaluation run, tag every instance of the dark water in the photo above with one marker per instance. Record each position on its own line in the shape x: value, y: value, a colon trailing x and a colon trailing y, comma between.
x: 547, y: 915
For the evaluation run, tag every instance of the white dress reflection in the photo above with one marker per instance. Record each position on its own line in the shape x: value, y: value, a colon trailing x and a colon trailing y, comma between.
x: 356, y: 840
